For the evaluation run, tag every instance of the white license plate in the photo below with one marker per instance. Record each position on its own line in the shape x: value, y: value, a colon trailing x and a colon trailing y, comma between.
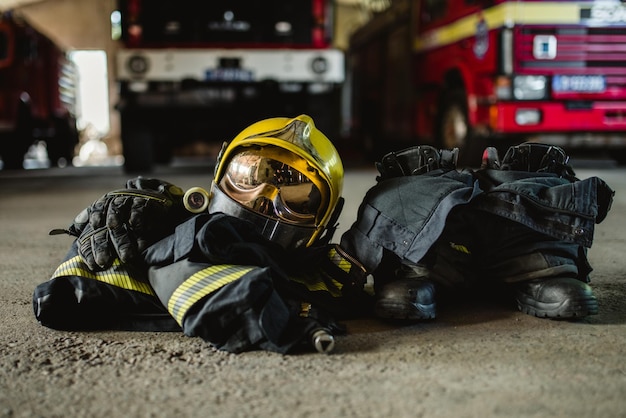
x: 578, y: 83
x: 229, y: 74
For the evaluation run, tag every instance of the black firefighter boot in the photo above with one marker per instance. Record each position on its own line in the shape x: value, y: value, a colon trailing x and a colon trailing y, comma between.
x: 557, y: 298
x: 553, y: 297
x: 410, y: 296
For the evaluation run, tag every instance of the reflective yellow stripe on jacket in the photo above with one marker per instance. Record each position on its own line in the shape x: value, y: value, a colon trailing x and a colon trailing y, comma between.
x: 117, y: 275
x: 201, y: 284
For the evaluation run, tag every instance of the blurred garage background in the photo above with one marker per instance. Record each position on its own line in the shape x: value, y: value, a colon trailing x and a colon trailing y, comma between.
x: 90, y: 31
x: 147, y: 82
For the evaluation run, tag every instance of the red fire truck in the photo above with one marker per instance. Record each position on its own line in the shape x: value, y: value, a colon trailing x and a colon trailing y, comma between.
x: 193, y: 71
x: 465, y: 73
x: 37, y: 95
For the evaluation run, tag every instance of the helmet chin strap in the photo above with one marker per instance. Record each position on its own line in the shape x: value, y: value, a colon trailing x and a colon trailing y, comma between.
x: 332, y: 223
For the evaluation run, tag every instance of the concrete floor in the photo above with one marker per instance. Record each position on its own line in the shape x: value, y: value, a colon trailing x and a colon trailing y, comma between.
x: 479, y: 358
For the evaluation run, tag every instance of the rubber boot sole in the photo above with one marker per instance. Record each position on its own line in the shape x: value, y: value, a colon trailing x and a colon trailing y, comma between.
x: 390, y: 309
x: 568, y: 308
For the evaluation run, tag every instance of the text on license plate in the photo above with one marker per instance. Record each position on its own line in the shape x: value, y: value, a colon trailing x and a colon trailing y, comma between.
x: 228, y: 74
x: 578, y: 83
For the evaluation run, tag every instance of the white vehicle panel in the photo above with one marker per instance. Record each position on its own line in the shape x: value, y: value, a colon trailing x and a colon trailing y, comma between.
x: 289, y: 65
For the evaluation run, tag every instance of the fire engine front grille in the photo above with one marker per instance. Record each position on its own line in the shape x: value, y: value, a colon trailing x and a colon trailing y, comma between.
x: 579, y: 50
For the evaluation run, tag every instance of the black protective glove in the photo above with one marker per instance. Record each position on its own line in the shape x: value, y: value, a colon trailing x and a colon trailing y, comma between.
x: 123, y: 223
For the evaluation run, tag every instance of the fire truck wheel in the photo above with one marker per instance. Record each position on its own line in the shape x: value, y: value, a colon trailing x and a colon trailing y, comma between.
x: 11, y: 154
x: 61, y: 146
x: 454, y: 127
x: 15, y: 145
x: 138, y: 151
x: 455, y: 131
x: 619, y: 155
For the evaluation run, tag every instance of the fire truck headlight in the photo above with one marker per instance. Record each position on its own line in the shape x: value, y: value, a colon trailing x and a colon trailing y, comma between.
x: 527, y: 116
x: 138, y: 86
x: 319, y: 65
x: 530, y: 87
x: 137, y: 64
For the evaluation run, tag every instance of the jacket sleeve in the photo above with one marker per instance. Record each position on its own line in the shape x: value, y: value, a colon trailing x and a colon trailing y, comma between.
x: 224, y: 284
x: 76, y: 298
x: 233, y: 307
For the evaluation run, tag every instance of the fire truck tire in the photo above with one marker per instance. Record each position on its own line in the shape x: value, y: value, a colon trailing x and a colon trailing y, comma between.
x: 62, y: 146
x: 11, y: 154
x: 455, y: 131
x: 619, y: 155
x: 453, y: 126
x: 16, y: 143
x: 139, y: 153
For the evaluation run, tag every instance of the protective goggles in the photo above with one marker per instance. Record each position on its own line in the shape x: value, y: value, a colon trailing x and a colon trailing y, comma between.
x: 288, y: 235
x: 271, y: 187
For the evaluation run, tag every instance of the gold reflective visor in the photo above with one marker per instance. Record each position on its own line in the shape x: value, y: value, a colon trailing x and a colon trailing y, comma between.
x: 272, y: 187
